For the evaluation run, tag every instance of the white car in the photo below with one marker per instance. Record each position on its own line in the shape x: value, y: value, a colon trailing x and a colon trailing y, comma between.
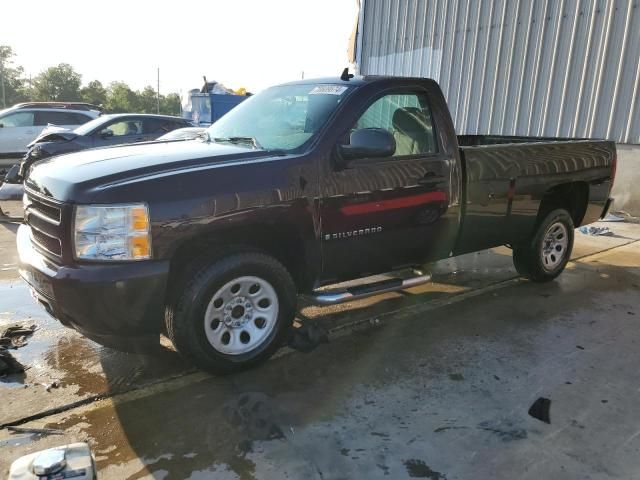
x: 186, y: 133
x: 22, y: 123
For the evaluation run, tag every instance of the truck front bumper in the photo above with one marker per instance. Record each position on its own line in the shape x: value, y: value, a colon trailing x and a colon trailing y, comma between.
x: 118, y: 305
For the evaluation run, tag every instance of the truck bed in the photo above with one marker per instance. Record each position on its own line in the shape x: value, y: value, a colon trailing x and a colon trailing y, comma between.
x: 505, y: 178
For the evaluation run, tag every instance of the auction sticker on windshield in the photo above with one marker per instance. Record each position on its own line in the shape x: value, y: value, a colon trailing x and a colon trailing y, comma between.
x: 327, y: 90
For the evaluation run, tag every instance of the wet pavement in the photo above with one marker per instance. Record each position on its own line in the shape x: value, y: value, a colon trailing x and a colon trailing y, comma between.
x: 434, y: 382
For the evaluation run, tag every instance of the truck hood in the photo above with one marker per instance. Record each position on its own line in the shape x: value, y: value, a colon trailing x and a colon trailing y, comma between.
x: 60, y: 177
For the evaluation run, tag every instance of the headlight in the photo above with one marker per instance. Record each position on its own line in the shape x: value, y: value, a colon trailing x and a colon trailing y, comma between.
x: 112, y: 232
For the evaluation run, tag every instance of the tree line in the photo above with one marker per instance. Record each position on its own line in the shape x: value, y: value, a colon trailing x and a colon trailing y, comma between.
x: 61, y: 83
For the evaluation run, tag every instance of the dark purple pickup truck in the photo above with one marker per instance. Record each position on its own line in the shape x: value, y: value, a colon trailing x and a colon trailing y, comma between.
x: 300, y: 187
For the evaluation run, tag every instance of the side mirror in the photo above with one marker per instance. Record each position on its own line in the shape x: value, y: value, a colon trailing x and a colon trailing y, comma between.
x: 369, y: 143
x: 1, y: 125
x: 106, y: 133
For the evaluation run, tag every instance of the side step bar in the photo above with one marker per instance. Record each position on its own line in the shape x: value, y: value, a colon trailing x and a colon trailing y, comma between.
x: 332, y: 297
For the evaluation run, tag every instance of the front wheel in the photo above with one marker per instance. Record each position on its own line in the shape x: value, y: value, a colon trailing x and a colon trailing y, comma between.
x: 545, y: 256
x: 234, y: 313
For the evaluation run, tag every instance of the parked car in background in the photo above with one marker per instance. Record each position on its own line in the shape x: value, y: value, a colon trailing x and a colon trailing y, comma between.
x: 22, y: 123
x: 104, y: 131
x: 187, y: 133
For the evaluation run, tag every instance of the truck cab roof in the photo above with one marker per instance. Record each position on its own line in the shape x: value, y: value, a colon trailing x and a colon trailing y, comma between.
x: 357, y: 80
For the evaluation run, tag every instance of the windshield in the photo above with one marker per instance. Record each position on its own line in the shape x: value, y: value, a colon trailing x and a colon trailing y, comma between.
x: 86, y: 128
x: 279, y: 118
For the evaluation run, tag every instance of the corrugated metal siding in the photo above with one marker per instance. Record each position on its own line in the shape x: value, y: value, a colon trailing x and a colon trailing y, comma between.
x: 568, y: 68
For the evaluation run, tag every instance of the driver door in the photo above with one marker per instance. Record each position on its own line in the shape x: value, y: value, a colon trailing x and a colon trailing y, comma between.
x: 382, y: 214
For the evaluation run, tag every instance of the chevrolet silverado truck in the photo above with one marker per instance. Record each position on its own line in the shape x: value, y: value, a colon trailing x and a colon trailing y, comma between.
x: 303, y: 186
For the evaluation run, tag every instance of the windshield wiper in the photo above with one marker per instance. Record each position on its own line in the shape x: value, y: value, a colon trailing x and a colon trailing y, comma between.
x: 250, y: 140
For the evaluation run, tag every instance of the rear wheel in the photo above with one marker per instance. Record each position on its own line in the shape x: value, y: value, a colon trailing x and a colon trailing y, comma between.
x: 234, y: 313
x: 545, y: 256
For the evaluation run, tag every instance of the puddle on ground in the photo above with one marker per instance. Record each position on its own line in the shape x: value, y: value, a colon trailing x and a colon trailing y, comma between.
x: 80, y: 366
x: 17, y: 305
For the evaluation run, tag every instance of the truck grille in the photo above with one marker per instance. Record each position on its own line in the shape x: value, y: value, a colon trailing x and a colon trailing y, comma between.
x: 44, y: 241
x: 45, y: 219
x: 51, y: 213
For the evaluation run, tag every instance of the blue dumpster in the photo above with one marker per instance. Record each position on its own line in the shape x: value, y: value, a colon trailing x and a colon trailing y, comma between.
x: 206, y: 108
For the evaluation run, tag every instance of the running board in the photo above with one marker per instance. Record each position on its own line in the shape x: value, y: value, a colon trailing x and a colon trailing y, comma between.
x: 332, y: 297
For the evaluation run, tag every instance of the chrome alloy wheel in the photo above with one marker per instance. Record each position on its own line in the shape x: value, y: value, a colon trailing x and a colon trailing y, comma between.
x: 241, y: 315
x: 554, y: 246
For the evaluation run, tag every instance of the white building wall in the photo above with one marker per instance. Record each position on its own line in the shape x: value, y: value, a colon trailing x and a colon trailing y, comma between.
x: 568, y: 68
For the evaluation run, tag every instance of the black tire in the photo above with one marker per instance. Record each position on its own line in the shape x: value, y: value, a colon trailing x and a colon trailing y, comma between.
x: 185, y: 319
x: 542, y: 259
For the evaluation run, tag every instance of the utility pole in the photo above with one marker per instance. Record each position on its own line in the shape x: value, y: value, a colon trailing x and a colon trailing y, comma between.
x: 158, y: 96
x: 4, y: 100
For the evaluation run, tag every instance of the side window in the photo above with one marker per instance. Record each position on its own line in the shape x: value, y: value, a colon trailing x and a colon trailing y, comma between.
x: 19, y: 119
x: 60, y: 118
x: 125, y: 127
x: 159, y: 126
x: 408, y: 118
x: 79, y: 119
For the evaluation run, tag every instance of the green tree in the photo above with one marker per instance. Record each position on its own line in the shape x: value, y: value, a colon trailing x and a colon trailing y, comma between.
x: 57, y: 84
x: 94, y: 93
x: 170, y: 105
x: 147, y: 100
x: 121, y: 99
x: 15, y: 88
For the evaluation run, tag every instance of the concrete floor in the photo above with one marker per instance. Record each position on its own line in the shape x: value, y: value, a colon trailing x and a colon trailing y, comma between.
x: 434, y: 382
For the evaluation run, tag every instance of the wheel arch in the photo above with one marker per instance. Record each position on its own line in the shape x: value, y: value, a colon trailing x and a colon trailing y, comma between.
x: 572, y: 196
x: 282, y: 243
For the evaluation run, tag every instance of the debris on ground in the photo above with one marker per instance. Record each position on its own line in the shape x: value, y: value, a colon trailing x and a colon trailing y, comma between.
x: 8, y: 364
x: 610, y: 217
x: 308, y: 336
x: 49, y: 386
x: 37, y: 431
x: 600, y: 231
x: 540, y: 410
x: 625, y: 216
x: 16, y: 336
x: 13, y: 337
